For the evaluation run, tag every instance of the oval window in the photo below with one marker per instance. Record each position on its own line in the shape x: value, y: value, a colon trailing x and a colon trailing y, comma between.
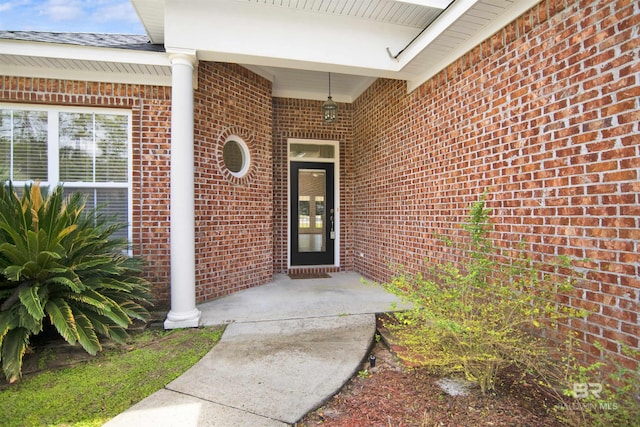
x: 235, y: 155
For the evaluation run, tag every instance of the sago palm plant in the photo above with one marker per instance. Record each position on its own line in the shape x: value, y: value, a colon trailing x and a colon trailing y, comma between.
x: 60, y: 265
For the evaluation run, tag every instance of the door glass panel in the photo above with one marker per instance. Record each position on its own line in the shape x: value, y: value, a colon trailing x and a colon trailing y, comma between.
x: 311, y: 210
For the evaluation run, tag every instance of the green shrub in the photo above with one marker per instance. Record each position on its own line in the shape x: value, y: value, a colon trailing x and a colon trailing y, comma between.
x: 60, y: 266
x: 479, y: 316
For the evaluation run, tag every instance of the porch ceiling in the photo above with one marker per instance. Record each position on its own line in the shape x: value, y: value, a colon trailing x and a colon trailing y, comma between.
x: 294, y: 43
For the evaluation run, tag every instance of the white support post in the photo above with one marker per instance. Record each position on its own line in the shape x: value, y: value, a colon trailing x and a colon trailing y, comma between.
x: 184, y: 313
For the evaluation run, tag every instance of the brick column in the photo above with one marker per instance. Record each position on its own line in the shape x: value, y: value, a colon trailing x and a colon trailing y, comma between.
x: 184, y: 313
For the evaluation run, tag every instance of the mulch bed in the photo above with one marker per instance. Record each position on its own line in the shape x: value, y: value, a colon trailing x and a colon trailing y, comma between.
x: 395, y: 395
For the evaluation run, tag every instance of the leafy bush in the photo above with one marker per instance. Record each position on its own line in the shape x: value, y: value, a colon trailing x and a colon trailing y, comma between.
x: 479, y: 317
x: 60, y: 266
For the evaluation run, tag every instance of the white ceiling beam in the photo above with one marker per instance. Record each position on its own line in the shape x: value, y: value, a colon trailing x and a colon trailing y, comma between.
x: 435, y: 4
x: 243, y: 33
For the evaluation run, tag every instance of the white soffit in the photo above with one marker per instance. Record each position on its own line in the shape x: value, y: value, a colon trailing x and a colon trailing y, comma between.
x: 341, y: 39
x: 295, y: 42
x: 151, y: 14
x: 302, y: 84
x: 64, y: 61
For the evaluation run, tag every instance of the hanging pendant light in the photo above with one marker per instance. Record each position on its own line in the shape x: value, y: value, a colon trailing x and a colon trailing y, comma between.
x: 329, y: 108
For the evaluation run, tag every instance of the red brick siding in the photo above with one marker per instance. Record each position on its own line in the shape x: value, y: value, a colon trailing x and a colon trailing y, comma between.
x: 151, y: 115
x: 543, y: 115
x: 151, y: 192
x: 302, y: 119
x: 234, y: 231
x: 234, y: 219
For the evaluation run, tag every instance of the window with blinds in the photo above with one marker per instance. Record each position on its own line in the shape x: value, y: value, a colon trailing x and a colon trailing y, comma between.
x: 23, y: 145
x: 88, y: 151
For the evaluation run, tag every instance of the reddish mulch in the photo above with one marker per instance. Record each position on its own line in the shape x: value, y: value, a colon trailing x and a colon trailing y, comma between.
x: 394, y: 395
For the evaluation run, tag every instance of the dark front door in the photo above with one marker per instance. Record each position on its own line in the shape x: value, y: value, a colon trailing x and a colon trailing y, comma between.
x: 312, y: 213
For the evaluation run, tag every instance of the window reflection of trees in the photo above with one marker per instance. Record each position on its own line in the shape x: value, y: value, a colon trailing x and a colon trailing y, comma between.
x: 93, y: 147
x: 23, y: 145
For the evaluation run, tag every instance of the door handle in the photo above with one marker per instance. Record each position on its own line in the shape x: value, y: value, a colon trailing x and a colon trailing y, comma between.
x: 332, y: 232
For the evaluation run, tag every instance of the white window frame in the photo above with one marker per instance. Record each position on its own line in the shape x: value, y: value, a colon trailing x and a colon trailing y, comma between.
x: 53, y: 165
x: 246, y: 155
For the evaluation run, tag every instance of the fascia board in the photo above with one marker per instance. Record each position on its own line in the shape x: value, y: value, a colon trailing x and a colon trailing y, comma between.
x: 257, y: 61
x: 83, y: 53
x: 311, y: 63
x: 93, y: 76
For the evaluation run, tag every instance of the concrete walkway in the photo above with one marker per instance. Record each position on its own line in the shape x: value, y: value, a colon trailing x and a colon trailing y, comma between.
x: 289, y: 346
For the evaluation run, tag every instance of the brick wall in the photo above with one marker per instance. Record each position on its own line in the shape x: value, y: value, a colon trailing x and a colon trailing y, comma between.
x: 151, y: 192
x: 302, y: 119
x: 544, y: 115
x: 234, y: 219
x: 151, y: 114
x: 234, y: 231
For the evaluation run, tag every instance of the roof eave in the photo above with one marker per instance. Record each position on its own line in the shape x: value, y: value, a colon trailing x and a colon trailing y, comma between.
x: 89, y: 63
x: 82, y: 53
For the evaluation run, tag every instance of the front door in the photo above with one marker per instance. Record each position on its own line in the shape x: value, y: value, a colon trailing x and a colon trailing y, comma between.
x: 312, y: 213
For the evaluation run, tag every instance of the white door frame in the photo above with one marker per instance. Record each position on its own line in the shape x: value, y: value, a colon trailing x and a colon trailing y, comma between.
x: 336, y: 190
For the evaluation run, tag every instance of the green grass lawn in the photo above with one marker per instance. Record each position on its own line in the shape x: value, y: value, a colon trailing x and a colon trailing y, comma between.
x: 92, y: 392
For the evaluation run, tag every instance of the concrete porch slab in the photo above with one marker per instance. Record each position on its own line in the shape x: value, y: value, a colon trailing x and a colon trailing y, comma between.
x: 286, y: 298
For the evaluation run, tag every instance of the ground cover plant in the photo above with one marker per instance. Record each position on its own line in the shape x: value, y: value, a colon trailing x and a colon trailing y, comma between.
x: 72, y: 388
x: 61, y: 268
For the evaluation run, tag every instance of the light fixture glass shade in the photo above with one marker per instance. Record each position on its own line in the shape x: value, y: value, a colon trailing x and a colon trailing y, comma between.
x: 329, y: 110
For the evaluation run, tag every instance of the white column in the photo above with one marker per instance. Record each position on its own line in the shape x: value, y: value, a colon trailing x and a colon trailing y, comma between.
x: 184, y: 313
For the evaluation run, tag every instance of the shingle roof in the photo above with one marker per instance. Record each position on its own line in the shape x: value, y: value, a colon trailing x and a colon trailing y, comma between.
x: 118, y: 41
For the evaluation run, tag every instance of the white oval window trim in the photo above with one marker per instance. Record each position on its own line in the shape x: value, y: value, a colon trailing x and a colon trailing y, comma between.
x: 245, y: 157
